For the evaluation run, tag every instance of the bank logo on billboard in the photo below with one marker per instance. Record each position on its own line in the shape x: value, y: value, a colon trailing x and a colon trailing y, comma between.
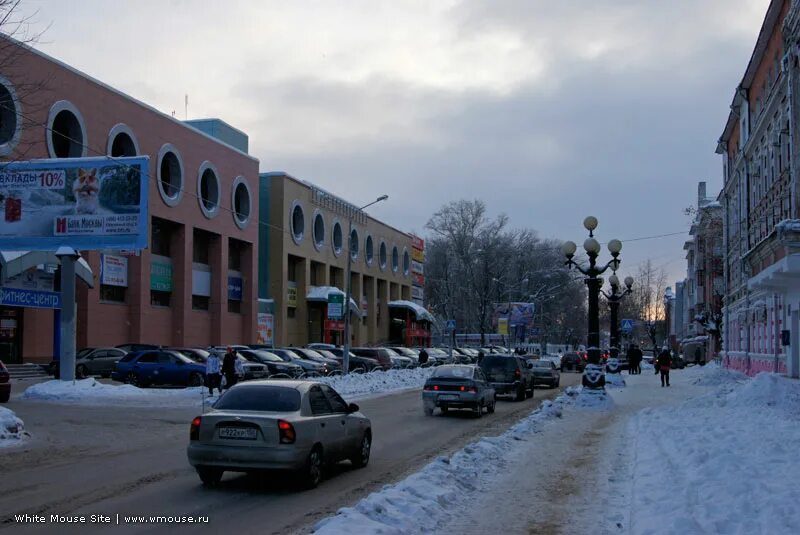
x: 84, y: 203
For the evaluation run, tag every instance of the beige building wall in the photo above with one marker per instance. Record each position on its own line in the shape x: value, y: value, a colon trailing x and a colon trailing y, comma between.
x: 295, y: 254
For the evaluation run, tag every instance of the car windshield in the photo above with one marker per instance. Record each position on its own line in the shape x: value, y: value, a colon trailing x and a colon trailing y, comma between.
x: 405, y: 351
x: 266, y: 355
x: 458, y: 372
x: 83, y: 352
x: 291, y: 354
x: 263, y: 398
x: 327, y: 354
x: 312, y: 355
x: 181, y: 357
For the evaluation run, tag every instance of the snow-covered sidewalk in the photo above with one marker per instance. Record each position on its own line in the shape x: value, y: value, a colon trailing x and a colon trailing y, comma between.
x: 12, y: 429
x: 713, y: 453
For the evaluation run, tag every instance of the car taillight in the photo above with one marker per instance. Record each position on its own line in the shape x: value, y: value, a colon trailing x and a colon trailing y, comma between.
x: 471, y: 389
x: 286, y: 432
x: 517, y: 373
x: 194, y: 430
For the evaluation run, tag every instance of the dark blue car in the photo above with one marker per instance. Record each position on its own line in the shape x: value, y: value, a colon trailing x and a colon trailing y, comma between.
x: 159, y: 367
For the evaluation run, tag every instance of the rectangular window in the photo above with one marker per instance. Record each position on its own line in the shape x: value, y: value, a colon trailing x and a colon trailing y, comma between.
x: 234, y: 256
x: 200, y: 302
x: 290, y: 312
x: 160, y: 299
x: 112, y: 294
x: 200, y: 247
x: 160, y: 237
x: 234, y: 307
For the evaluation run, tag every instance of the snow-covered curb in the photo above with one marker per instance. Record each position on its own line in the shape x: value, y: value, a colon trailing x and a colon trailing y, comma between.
x: 426, y: 499
x: 91, y: 391
x: 12, y: 429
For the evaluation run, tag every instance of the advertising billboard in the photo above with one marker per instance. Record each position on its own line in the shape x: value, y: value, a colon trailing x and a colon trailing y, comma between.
x: 83, y: 203
x: 265, y: 329
x: 521, y: 314
x: 113, y: 270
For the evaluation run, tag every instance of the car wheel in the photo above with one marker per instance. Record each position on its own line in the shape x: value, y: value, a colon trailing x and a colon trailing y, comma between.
x: 81, y: 372
x: 196, y: 379
x: 557, y: 383
x: 132, y: 379
x: 428, y: 411
x: 313, y: 471
x: 490, y: 407
x: 445, y: 409
x: 361, y: 458
x: 478, y: 410
x: 521, y: 394
x: 529, y: 393
x: 209, y: 476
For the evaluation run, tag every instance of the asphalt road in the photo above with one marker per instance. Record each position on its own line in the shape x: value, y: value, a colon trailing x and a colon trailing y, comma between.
x: 132, y: 461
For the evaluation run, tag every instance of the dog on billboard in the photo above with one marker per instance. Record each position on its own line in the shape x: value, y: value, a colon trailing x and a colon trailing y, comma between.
x: 86, y: 189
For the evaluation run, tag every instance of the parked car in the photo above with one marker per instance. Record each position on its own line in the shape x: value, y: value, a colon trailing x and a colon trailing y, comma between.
x: 131, y: 348
x: 458, y: 386
x: 159, y: 367
x: 5, y: 383
x: 439, y: 356
x: 287, y: 425
x: 649, y: 356
x: 275, y: 365
x: 357, y: 364
x: 317, y: 345
x: 310, y: 367
x: 309, y: 354
x: 401, y: 361
x: 252, y: 370
x: 572, y: 361
x: 381, y: 354
x: 406, y: 352
x: 508, y: 374
x: 91, y: 361
x: 678, y: 362
x: 195, y: 353
x: 545, y: 372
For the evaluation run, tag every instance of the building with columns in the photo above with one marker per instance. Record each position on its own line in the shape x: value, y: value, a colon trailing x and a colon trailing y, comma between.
x: 760, y: 202
x: 305, y: 230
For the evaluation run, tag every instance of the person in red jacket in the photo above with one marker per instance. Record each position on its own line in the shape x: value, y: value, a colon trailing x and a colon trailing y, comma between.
x: 663, y: 363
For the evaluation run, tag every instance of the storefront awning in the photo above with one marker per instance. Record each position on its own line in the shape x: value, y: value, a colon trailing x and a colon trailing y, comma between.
x: 17, y: 262
x: 320, y: 294
x: 419, y: 311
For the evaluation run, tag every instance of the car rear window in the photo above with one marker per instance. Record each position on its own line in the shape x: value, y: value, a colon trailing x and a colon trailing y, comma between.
x: 542, y: 364
x: 265, y: 398
x: 127, y: 358
x: 460, y: 372
x: 504, y: 363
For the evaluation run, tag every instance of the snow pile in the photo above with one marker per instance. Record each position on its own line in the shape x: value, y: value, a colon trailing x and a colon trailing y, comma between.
x: 714, y: 375
x: 725, y: 462
x: 377, y: 382
x: 426, y: 500
x: 615, y: 380
x: 12, y: 429
x: 93, y: 391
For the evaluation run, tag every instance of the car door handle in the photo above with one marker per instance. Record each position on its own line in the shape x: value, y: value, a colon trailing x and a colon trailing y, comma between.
x: 322, y: 424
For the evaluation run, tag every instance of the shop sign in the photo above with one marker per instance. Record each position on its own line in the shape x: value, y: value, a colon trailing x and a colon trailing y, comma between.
x: 113, y: 270
x: 84, y: 203
x: 201, y: 282
x: 291, y: 295
x: 417, y: 292
x: 335, y: 305
x: 234, y: 288
x: 418, y: 280
x: 334, y: 325
x: 16, y: 297
x: 364, y: 305
x: 417, y: 255
x: 265, y: 328
x: 160, y: 275
x: 416, y: 267
x: 502, y: 326
x: 417, y: 243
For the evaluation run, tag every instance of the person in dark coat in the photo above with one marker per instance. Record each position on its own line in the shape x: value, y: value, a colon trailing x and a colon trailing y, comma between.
x: 639, y: 359
x: 631, y: 354
x: 229, y: 367
x: 423, y: 357
x: 663, y: 362
x: 697, y: 355
x: 480, y: 357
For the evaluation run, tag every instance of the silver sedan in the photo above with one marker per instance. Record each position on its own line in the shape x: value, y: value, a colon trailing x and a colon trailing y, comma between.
x: 278, y: 425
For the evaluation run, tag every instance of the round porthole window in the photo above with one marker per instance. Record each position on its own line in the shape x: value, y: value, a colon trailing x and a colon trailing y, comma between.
x: 241, y: 201
x: 382, y: 255
x: 319, y: 230
x: 170, y: 175
x: 9, y: 118
x: 337, y: 240
x: 66, y: 131
x: 298, y: 222
x: 208, y: 188
x: 406, y: 262
x: 369, y: 250
x: 354, y: 244
x: 122, y: 142
x: 395, y: 259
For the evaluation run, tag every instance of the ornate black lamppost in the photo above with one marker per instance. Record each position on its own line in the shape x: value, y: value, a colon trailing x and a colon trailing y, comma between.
x: 593, y: 374
x: 614, y: 299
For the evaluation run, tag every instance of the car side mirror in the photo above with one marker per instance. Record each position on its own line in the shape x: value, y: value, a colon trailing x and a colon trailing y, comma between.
x: 351, y: 408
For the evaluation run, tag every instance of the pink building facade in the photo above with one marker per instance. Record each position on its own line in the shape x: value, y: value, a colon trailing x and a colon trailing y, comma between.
x: 195, y: 284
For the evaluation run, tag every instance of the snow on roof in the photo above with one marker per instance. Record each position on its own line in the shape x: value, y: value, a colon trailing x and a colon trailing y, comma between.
x: 321, y: 293
x: 418, y: 310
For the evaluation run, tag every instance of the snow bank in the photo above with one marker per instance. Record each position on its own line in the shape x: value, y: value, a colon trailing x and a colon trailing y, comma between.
x: 715, y: 375
x: 615, y: 380
x: 12, y: 429
x: 723, y: 462
x: 378, y: 382
x: 427, y: 499
x: 92, y: 391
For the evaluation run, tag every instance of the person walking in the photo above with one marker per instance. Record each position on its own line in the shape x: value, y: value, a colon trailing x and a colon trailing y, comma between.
x: 664, y: 362
x: 229, y: 367
x: 697, y: 355
x: 631, y: 355
x: 423, y: 357
x: 480, y: 357
x: 639, y: 358
x: 213, y: 376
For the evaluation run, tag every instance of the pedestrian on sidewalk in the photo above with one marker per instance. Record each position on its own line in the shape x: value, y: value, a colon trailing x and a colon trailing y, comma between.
x: 697, y: 355
x: 631, y: 354
x: 213, y: 376
x: 664, y: 362
x: 229, y: 367
x: 423, y: 357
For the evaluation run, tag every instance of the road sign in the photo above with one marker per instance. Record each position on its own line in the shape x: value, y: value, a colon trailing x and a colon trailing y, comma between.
x: 335, y: 305
x: 626, y: 325
x: 451, y: 325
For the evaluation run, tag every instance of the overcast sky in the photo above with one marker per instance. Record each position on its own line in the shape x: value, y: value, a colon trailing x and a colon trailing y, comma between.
x: 548, y: 111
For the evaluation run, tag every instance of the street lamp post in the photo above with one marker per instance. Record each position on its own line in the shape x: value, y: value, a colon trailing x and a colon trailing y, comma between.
x: 348, y: 286
x: 593, y: 373
x: 614, y: 299
x: 667, y: 305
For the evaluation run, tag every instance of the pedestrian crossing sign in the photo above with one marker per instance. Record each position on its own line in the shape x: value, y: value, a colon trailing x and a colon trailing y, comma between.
x: 626, y: 325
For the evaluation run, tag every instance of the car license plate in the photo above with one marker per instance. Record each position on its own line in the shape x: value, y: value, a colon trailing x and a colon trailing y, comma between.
x: 239, y: 433
x: 448, y: 397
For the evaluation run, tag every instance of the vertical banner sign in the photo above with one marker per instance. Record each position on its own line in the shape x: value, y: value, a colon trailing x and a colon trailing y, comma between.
x: 265, y: 328
x: 335, y: 306
x: 291, y: 295
x: 83, y: 203
x: 502, y: 326
x: 234, y: 288
x: 160, y: 276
